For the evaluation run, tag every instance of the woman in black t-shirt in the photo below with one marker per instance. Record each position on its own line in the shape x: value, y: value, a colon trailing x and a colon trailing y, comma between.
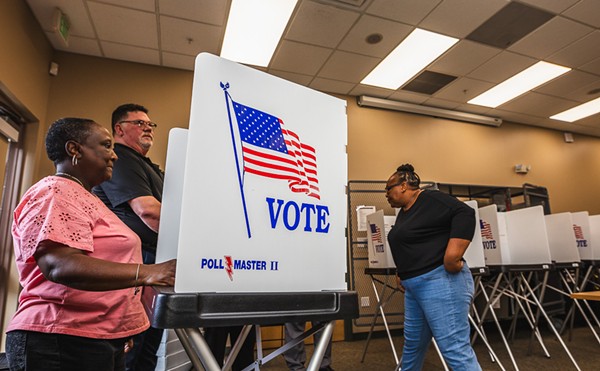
x: 428, y: 240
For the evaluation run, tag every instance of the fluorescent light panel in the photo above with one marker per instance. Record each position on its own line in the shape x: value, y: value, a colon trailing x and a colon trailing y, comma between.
x: 520, y: 83
x: 577, y: 113
x: 254, y: 28
x: 413, y: 54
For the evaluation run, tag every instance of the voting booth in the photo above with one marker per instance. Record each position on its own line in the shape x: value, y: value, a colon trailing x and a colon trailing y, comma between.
x: 474, y: 255
x: 254, y: 208
x: 378, y: 227
x: 561, y: 239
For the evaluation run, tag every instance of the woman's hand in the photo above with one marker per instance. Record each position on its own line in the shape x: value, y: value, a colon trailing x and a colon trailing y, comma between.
x: 128, y: 345
x: 162, y: 274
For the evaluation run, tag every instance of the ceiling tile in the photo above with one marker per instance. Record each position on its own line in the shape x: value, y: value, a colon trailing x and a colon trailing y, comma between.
x: 81, y: 44
x: 501, y: 67
x: 130, y: 53
x: 293, y: 77
x: 554, y: 6
x: 299, y: 58
x: 348, y: 67
x: 183, y: 62
x: 356, y: 40
x: 187, y: 37
x: 590, y: 121
x: 74, y: 10
x: 593, y: 66
x: 463, y: 89
x: 372, y: 91
x: 574, y: 85
x: 405, y: 11
x: 147, y: 5
x: 331, y: 86
x: 550, y: 37
x: 458, y: 18
x: 207, y: 11
x: 463, y: 57
x: 320, y: 24
x: 471, y: 108
x: 124, y: 26
x: 536, y: 104
x: 586, y: 11
x: 580, y: 52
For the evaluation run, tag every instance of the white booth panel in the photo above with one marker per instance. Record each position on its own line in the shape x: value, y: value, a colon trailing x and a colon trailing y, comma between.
x: 563, y: 246
x: 378, y: 227
x: 588, y: 241
x: 474, y: 254
x: 493, y: 236
x: 527, y: 238
x: 170, y: 211
x: 263, y: 207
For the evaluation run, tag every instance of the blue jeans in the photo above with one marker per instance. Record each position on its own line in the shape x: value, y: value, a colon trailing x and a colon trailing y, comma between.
x: 437, y: 304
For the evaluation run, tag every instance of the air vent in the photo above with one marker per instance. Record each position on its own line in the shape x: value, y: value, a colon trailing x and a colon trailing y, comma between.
x: 428, y: 82
x: 509, y: 25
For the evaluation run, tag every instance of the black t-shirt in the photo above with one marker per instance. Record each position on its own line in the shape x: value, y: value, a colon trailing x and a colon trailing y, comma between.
x: 133, y: 176
x: 419, y: 237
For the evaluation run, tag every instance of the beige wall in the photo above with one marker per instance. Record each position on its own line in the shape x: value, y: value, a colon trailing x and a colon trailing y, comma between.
x: 24, y: 60
x: 455, y: 152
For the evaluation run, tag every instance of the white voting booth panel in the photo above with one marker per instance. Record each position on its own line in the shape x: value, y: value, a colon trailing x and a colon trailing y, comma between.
x: 378, y: 227
x: 493, y: 236
x: 263, y: 204
x: 474, y: 255
x: 527, y: 239
x: 170, y: 212
x: 516, y: 237
x: 582, y: 226
x: 561, y: 239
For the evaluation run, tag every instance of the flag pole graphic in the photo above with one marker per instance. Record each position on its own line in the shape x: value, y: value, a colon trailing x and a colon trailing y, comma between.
x: 237, y: 165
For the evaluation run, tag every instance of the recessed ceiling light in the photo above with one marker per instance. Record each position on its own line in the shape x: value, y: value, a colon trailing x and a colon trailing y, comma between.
x: 374, y: 38
x: 413, y: 54
x: 577, y: 113
x: 520, y: 83
x: 254, y: 28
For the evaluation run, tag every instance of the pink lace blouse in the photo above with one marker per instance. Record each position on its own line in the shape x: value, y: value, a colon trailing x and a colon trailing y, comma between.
x: 62, y: 211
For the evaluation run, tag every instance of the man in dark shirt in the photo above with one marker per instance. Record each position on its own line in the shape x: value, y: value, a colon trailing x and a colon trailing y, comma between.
x: 134, y: 194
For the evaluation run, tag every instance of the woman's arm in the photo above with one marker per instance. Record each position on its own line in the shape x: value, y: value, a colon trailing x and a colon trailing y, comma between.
x: 454, y: 252
x: 72, y: 267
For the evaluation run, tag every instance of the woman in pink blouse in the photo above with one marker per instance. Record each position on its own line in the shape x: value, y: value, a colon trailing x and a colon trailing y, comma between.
x: 79, y: 265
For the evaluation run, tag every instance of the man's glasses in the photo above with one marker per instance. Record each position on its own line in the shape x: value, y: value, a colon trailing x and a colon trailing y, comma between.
x: 141, y: 123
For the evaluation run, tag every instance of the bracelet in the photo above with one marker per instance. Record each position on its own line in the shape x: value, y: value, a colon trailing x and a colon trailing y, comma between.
x: 136, y: 289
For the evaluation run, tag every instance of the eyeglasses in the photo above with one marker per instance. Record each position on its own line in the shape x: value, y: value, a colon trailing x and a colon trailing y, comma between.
x: 387, y: 188
x: 141, y: 123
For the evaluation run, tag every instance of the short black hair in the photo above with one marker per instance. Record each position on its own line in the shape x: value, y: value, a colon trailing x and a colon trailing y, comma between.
x: 63, y: 130
x: 121, y: 112
x: 406, y: 173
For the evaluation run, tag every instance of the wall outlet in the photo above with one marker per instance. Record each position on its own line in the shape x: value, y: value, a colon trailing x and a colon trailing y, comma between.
x: 364, y: 301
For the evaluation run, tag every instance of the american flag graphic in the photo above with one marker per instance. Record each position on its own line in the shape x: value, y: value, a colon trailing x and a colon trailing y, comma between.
x: 375, y: 233
x: 486, y: 230
x: 578, y: 232
x: 270, y: 150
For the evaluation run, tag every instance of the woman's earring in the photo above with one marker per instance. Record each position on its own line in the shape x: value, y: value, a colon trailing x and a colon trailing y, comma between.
x: 74, y: 160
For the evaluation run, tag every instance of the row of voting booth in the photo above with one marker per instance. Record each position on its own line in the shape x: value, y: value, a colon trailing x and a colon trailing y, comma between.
x: 516, y: 250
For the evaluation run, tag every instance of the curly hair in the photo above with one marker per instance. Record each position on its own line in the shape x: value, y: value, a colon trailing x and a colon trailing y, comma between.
x: 121, y: 112
x: 406, y: 173
x: 63, y: 130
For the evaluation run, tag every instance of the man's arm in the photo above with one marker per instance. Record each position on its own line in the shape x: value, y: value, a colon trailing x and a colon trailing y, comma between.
x: 148, y: 209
